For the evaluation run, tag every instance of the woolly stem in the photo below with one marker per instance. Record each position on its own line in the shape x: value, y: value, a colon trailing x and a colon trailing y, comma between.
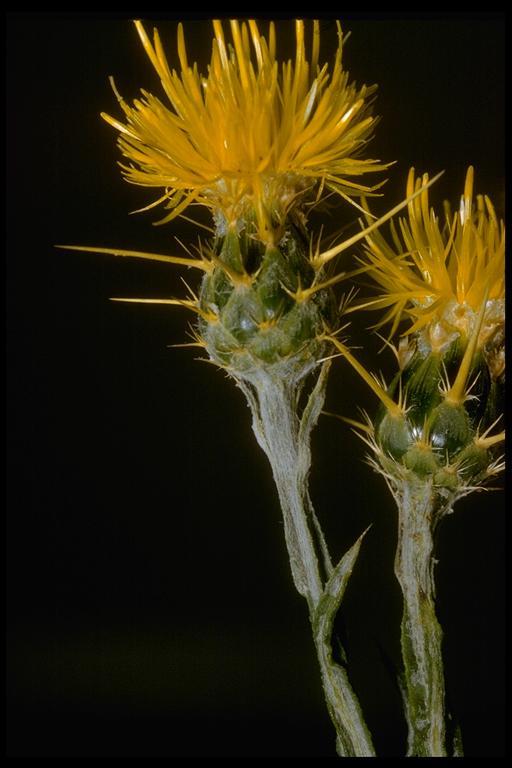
x: 281, y: 429
x: 285, y: 439
x: 421, y: 634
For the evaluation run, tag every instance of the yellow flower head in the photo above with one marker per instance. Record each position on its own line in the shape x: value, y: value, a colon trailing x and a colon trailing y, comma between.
x: 439, y: 275
x: 251, y: 137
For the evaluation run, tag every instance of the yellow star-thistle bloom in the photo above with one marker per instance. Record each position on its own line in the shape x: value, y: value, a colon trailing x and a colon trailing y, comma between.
x: 438, y: 274
x: 253, y: 136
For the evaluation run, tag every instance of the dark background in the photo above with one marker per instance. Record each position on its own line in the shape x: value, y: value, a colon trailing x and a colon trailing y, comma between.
x: 150, y: 606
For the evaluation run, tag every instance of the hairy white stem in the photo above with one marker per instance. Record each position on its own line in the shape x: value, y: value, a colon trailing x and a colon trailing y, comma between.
x: 285, y: 439
x: 421, y: 633
x: 280, y: 427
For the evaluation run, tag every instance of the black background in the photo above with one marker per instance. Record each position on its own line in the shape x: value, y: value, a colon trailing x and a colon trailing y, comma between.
x: 150, y: 607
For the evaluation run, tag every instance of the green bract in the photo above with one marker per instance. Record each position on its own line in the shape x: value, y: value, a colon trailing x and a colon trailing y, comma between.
x: 433, y: 435
x: 256, y: 321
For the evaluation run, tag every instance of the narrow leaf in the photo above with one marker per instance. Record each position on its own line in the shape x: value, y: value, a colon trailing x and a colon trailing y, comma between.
x: 334, y: 590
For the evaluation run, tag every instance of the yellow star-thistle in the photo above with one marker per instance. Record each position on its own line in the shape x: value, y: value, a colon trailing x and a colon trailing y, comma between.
x: 439, y: 274
x: 252, y: 137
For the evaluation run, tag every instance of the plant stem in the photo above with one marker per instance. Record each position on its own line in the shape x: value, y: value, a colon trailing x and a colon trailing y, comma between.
x: 285, y: 439
x: 281, y: 428
x: 421, y: 634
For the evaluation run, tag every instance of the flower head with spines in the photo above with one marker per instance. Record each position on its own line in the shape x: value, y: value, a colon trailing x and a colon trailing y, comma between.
x: 438, y: 417
x: 252, y: 138
x: 438, y: 269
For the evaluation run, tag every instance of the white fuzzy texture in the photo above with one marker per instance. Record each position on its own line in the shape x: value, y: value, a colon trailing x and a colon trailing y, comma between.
x: 285, y: 438
x: 421, y: 633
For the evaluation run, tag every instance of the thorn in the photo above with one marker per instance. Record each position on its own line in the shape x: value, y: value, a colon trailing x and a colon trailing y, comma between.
x: 189, y: 289
x: 487, y: 442
x: 237, y: 278
x: 323, y: 258
x: 352, y: 422
x: 329, y: 357
x: 457, y: 395
x: 347, y: 299
x: 203, y: 265
x: 484, y: 434
x: 299, y: 295
x: 189, y: 344
x: 308, y: 292
x: 396, y: 409
x: 210, y: 317
x: 389, y: 345
x: 197, y: 223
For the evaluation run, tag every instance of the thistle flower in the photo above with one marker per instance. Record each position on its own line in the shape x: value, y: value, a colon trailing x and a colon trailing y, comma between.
x: 451, y: 283
x: 255, y: 141
x: 252, y: 138
x: 435, y: 437
x: 441, y: 269
x: 438, y: 413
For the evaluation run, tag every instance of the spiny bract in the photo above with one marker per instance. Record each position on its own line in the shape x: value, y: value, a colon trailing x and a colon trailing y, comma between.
x: 437, y: 419
x: 254, y: 140
x: 258, y: 309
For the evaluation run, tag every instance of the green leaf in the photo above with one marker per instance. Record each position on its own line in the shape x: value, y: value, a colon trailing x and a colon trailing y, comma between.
x: 314, y: 404
x: 341, y: 700
x: 329, y: 603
